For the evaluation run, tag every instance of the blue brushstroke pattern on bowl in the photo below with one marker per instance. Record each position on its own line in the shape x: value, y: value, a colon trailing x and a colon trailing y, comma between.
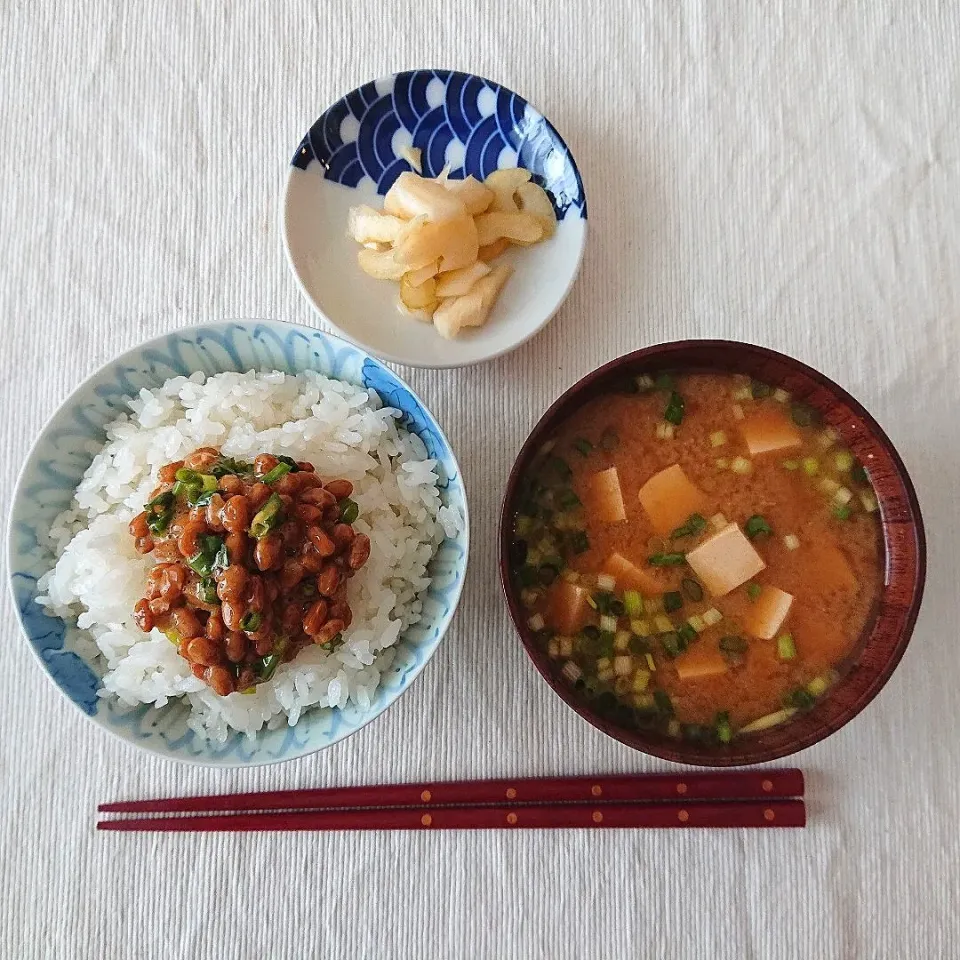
x: 474, y: 124
x: 65, y: 449
x: 353, y: 154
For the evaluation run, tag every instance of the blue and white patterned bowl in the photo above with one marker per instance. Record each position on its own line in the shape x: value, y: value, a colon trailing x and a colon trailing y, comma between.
x: 351, y: 155
x: 62, y: 454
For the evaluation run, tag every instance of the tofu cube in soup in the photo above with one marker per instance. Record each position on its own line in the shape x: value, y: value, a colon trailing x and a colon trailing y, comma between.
x: 725, y: 561
x: 701, y: 661
x: 631, y: 577
x: 767, y: 613
x: 606, y: 497
x: 669, y: 498
x: 568, y: 608
x: 767, y: 431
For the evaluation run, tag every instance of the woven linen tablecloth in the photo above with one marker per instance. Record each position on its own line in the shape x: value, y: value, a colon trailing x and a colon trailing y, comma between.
x: 785, y: 173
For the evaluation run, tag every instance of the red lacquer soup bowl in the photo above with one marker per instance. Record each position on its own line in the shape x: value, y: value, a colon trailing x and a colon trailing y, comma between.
x: 872, y: 660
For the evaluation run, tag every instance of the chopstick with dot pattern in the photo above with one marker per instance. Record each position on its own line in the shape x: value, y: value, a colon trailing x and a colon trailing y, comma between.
x: 736, y: 813
x: 762, y: 798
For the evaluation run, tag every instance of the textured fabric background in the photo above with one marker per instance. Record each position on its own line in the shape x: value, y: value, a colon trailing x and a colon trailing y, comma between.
x: 786, y: 173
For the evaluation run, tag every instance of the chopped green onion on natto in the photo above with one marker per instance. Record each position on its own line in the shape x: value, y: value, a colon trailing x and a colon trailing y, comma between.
x: 280, y: 470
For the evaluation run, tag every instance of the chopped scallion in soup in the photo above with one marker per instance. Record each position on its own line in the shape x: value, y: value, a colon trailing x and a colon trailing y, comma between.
x: 706, y: 596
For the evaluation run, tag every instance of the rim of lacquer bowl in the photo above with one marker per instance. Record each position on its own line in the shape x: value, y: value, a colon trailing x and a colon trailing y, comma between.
x: 407, y: 361
x: 71, y: 398
x: 886, y: 636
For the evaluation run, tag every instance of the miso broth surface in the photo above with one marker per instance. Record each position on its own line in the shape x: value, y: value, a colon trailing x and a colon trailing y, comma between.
x: 833, y: 593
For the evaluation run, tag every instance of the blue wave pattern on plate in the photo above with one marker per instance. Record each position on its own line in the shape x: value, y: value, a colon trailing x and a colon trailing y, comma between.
x: 476, y: 125
x: 65, y: 450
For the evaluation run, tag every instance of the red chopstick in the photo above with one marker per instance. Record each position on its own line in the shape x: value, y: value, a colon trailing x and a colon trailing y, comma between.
x: 734, y: 785
x: 740, y: 813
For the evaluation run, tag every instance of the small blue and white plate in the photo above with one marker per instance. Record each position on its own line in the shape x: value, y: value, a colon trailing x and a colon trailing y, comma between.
x: 352, y: 155
x: 64, y: 450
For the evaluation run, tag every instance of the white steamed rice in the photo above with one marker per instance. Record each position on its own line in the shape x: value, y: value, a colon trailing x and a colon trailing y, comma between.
x: 345, y: 431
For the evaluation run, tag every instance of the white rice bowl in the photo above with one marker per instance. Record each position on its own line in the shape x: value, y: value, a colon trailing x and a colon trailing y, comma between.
x: 345, y: 431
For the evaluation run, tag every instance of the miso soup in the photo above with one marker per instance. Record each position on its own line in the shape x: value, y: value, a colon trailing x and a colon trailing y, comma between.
x: 699, y: 554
